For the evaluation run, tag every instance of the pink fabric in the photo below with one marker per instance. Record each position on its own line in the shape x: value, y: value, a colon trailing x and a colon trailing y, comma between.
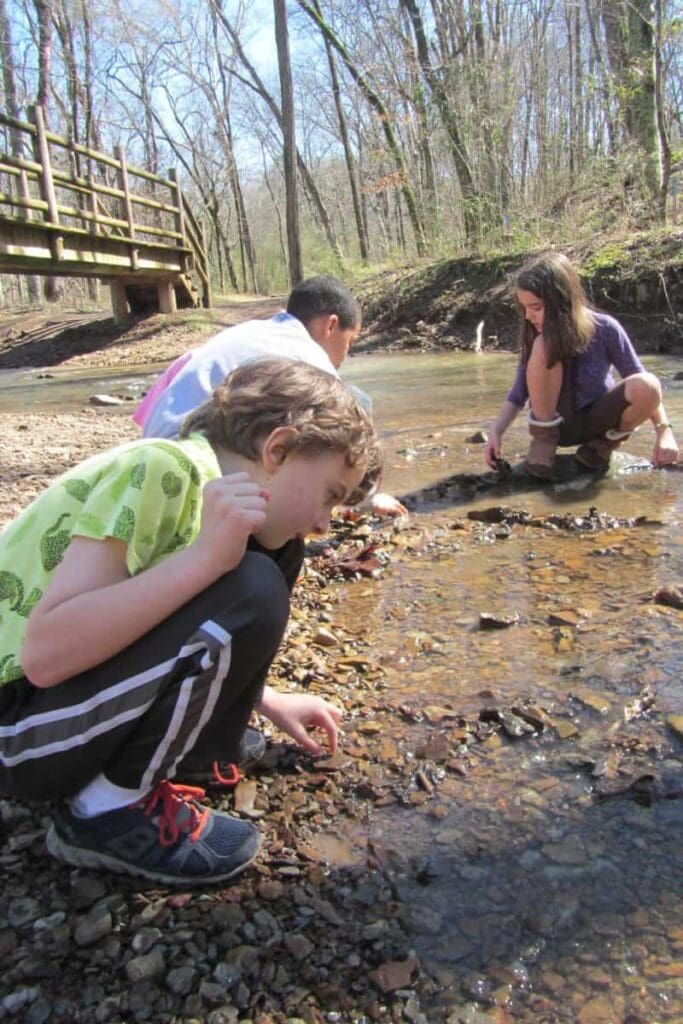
x: 142, y: 413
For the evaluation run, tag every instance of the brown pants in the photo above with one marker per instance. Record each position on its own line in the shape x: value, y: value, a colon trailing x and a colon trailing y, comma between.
x: 592, y: 422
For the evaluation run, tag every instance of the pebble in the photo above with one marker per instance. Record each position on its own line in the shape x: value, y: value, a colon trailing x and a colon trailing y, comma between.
x: 17, y: 1000
x: 22, y: 910
x: 86, y: 890
x: 181, y: 979
x: 94, y: 926
x: 143, y: 968
x: 299, y: 946
x: 145, y: 939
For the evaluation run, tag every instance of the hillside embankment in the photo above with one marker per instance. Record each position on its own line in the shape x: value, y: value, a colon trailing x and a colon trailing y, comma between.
x: 452, y: 302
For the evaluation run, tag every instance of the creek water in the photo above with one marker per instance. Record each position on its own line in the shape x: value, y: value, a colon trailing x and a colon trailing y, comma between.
x: 530, y: 895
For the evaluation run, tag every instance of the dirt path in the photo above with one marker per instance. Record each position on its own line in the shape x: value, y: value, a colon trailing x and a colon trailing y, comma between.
x: 51, y: 338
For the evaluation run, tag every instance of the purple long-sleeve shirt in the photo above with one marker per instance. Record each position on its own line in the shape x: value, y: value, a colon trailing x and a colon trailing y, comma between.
x: 592, y: 370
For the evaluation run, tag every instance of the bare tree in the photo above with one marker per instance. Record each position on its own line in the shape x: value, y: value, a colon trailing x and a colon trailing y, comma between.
x: 375, y: 102
x: 289, y: 143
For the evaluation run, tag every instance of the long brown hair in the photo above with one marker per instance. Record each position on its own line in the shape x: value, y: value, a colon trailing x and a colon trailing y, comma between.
x: 568, y: 320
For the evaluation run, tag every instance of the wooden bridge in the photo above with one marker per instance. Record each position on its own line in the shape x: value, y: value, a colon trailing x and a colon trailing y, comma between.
x: 66, y: 210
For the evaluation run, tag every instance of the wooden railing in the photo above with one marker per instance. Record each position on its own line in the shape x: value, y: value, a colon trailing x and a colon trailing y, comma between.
x: 96, y: 215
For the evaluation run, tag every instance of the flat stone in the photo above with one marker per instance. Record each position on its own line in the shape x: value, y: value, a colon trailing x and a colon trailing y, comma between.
x: 299, y: 946
x: 675, y: 722
x: 144, y: 968
x: 105, y: 400
x: 598, y: 1011
x: 22, y: 910
x: 181, y: 979
x: 569, y: 851
x: 93, y: 927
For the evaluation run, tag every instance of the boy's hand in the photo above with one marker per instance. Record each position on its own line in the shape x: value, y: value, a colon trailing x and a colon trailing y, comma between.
x: 234, y: 507
x: 295, y: 713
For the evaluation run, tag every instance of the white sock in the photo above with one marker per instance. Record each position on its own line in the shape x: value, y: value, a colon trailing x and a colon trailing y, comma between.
x: 100, y: 796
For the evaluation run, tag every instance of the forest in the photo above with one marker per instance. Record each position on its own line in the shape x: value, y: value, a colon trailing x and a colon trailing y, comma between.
x: 348, y: 135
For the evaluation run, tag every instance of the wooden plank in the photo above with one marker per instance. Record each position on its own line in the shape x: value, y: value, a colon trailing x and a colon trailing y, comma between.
x: 128, y: 208
x: 177, y: 200
x: 42, y: 155
x: 206, y: 289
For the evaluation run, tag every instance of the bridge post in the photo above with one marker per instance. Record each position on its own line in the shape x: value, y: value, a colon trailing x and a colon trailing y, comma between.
x: 167, y: 299
x: 179, y: 216
x: 41, y: 152
x: 119, y: 301
x: 120, y: 155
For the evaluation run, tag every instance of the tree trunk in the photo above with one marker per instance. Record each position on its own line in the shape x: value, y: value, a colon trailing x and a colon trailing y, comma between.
x: 258, y: 86
x: 16, y: 141
x: 348, y: 154
x: 630, y: 48
x: 449, y: 119
x: 289, y: 144
x: 380, y: 109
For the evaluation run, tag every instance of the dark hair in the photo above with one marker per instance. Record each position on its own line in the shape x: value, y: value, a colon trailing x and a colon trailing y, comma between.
x: 323, y: 296
x: 263, y: 394
x: 568, y: 320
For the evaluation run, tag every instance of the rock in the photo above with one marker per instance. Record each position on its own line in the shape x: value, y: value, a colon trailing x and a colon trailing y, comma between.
x: 567, y: 617
x: 299, y: 946
x: 270, y: 889
x: 675, y: 722
x: 93, y: 926
x: 569, y: 851
x: 17, y: 1000
x: 324, y: 638
x: 181, y: 979
x: 394, y: 974
x: 108, y: 1010
x: 145, y: 939
x: 39, y: 1012
x: 490, y: 621
x: 211, y: 993
x: 672, y: 596
x: 478, y: 437
x: 22, y: 910
x: 144, y: 968
x: 598, y: 1011
x: 223, y: 1015
x: 227, y: 975
x: 591, y: 700
x: 86, y: 890
x: 105, y: 400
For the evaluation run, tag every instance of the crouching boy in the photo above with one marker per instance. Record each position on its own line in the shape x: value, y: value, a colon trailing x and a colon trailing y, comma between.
x: 143, y: 597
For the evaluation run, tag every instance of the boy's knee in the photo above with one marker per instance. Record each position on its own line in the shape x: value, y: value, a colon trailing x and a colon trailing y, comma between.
x: 258, y: 589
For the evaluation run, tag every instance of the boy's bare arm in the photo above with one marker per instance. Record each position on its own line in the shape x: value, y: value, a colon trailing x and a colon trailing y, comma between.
x: 92, y: 609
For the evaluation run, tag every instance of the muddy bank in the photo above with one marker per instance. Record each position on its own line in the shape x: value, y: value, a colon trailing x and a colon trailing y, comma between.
x: 442, y: 305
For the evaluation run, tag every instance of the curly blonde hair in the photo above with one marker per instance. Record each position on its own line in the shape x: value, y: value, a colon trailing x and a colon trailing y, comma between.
x: 264, y: 394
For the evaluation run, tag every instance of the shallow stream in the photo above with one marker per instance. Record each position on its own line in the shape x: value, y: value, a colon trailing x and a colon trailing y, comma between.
x: 544, y: 882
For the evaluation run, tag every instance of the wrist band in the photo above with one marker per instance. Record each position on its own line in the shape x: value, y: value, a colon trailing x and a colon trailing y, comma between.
x: 662, y: 425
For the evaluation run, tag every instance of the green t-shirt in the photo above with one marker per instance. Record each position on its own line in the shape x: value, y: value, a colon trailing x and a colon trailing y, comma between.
x: 147, y: 493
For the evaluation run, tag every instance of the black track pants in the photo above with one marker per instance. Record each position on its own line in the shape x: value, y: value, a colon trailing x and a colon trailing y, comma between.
x: 189, y: 684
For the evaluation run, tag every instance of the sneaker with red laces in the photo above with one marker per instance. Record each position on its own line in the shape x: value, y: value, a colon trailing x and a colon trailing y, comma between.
x: 167, y: 837
x: 223, y: 773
